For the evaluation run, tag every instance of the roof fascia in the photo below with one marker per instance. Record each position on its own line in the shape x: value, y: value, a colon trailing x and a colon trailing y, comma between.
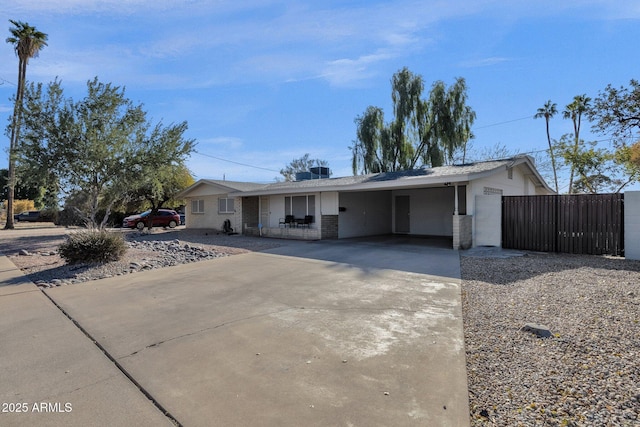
x: 527, y: 160
x: 362, y: 186
x: 203, y: 182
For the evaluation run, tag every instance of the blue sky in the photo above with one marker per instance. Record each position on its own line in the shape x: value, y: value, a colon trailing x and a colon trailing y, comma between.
x: 263, y: 82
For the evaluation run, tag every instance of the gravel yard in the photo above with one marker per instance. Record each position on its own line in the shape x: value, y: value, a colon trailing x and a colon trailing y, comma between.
x: 586, y: 374
x: 37, y: 256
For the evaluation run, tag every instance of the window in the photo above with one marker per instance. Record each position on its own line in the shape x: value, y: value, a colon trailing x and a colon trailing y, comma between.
x: 197, y: 206
x: 225, y: 206
x: 299, y: 206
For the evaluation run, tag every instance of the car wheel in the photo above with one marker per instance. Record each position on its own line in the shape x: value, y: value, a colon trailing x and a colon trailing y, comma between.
x: 172, y: 224
x: 140, y: 225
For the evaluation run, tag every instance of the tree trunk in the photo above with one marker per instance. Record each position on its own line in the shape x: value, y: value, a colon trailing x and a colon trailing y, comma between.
x: 553, y: 158
x: 13, y: 144
x: 576, y: 132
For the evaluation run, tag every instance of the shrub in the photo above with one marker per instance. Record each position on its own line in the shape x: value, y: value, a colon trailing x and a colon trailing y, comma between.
x: 49, y: 215
x: 20, y: 206
x: 69, y: 217
x: 89, y: 246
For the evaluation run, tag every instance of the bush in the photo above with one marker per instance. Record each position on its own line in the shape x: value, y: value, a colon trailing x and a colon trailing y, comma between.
x: 49, y: 215
x: 20, y: 206
x: 69, y: 218
x: 93, y: 246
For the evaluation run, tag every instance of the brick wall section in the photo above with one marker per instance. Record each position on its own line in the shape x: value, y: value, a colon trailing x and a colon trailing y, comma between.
x: 462, y: 228
x: 250, y: 211
x: 329, y: 227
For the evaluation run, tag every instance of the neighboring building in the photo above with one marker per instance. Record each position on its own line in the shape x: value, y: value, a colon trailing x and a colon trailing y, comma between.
x: 209, y: 203
x: 437, y: 201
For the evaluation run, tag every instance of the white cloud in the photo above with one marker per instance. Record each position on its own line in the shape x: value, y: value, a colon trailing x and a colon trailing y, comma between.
x: 484, y: 62
x: 345, y: 71
x: 220, y: 142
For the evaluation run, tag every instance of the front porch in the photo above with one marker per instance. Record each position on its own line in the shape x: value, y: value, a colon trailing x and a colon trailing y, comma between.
x: 424, y: 212
x: 294, y: 233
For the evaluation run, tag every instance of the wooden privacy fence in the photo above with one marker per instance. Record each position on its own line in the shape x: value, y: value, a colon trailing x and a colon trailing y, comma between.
x: 578, y: 224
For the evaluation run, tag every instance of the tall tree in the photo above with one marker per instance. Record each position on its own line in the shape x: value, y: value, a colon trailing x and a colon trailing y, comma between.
x: 303, y: 164
x: 548, y: 111
x: 27, y: 43
x: 160, y: 166
x: 423, y: 131
x: 372, y: 135
x: 101, y: 149
x: 595, y: 168
x: 446, y: 124
x: 574, y: 111
x: 617, y: 110
x: 42, y: 108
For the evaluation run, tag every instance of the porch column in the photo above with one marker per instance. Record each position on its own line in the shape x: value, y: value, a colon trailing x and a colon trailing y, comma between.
x: 455, y: 199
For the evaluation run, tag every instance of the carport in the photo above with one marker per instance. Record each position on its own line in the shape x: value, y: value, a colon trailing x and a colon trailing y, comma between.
x: 357, y: 210
x: 424, y: 211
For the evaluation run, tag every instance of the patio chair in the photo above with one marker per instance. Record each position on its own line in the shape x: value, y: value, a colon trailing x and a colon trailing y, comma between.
x: 306, y: 222
x: 288, y: 221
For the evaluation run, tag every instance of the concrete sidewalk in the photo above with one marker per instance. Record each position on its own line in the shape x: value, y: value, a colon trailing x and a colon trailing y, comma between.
x: 256, y: 339
x: 51, y: 373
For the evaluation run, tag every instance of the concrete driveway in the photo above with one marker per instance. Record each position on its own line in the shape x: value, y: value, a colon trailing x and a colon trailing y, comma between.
x: 347, y: 333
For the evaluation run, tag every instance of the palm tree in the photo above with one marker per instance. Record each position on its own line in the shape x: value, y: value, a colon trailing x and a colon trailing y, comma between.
x: 548, y: 111
x: 574, y: 111
x: 27, y: 42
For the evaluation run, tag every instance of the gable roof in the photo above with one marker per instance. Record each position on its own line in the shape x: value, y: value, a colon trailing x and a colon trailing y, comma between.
x: 223, y: 185
x: 403, y: 179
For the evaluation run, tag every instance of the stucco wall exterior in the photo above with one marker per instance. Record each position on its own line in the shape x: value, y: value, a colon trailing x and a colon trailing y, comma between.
x: 488, y: 220
x: 365, y: 214
x: 211, y: 218
x: 430, y: 209
x: 503, y: 183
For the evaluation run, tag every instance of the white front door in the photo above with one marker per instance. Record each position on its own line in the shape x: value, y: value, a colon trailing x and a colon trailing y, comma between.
x: 264, y: 212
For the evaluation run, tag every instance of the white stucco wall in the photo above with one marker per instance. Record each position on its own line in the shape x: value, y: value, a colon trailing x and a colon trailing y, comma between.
x: 431, y: 210
x: 211, y: 218
x: 632, y: 225
x: 517, y: 185
x: 329, y: 203
x: 366, y: 214
x: 488, y: 219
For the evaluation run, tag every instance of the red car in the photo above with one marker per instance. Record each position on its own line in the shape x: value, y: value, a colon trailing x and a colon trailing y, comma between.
x: 164, y: 218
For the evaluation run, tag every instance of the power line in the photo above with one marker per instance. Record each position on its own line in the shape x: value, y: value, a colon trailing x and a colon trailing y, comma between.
x: 234, y: 162
x: 504, y: 123
x: 3, y: 81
